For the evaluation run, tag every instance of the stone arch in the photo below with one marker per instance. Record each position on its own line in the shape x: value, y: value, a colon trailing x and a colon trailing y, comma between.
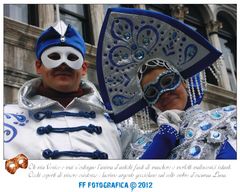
x: 229, y: 17
x: 207, y: 13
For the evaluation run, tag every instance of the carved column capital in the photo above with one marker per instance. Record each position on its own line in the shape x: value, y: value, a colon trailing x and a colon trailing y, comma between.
x: 179, y: 11
x: 140, y: 6
x: 213, y: 27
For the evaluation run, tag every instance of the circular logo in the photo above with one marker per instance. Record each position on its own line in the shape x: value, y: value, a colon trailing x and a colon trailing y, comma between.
x: 133, y: 185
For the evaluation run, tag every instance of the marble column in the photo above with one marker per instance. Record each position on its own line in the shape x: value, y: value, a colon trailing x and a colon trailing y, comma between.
x: 97, y: 17
x: 212, y: 31
x: 46, y: 15
x: 140, y: 6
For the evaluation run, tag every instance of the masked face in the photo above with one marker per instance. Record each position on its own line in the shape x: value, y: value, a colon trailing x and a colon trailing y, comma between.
x: 164, y: 89
x: 57, y: 55
x: 166, y: 81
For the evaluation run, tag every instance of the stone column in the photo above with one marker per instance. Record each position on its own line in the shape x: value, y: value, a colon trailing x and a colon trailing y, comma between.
x: 179, y: 11
x: 212, y: 31
x: 46, y: 15
x: 140, y: 6
x: 97, y: 16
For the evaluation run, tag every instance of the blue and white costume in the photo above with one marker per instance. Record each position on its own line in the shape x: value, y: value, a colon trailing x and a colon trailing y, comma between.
x: 207, y: 135
x: 41, y: 128
x: 132, y: 39
x: 203, y: 135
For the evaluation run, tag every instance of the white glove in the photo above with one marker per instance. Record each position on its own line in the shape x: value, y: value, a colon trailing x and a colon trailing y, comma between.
x: 172, y: 117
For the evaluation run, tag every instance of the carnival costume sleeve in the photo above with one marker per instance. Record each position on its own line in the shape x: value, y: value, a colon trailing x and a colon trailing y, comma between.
x: 227, y: 151
x: 167, y: 136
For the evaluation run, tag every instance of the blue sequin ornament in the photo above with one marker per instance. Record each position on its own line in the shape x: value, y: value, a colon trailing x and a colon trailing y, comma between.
x: 127, y: 36
x: 189, y: 133
x: 205, y: 125
x: 194, y: 151
x: 216, y: 115
x: 228, y: 108
x: 140, y: 140
x: 139, y: 54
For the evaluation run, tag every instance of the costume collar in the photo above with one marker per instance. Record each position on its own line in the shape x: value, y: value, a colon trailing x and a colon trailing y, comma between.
x: 30, y: 100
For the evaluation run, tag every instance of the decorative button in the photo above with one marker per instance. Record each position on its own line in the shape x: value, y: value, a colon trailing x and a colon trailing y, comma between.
x: 99, y: 155
x: 215, y: 135
x: 44, y: 130
x: 62, y: 39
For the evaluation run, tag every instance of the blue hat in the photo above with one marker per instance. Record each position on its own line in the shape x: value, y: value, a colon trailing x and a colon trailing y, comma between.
x: 131, y: 37
x: 59, y: 35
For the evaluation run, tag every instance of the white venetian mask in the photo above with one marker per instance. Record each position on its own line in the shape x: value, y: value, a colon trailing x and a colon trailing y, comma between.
x: 57, y: 55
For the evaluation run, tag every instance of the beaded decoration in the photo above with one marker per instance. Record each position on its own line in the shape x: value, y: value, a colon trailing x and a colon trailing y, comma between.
x: 203, y: 132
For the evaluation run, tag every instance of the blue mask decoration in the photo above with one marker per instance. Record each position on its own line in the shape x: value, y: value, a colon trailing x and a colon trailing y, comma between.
x: 166, y: 81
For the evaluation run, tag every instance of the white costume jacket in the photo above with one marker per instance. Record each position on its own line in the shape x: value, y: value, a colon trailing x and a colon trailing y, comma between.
x: 41, y: 128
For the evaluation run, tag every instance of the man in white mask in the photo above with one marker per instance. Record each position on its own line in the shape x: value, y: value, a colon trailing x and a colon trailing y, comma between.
x: 59, y: 115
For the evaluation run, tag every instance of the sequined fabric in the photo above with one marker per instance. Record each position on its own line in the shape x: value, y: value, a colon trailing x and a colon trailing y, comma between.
x: 203, y: 133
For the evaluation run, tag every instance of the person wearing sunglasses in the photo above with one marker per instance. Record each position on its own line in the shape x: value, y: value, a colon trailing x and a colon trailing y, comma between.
x: 155, y: 62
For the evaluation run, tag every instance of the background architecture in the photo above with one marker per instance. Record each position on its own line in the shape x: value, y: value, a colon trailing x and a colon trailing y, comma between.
x: 24, y: 22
